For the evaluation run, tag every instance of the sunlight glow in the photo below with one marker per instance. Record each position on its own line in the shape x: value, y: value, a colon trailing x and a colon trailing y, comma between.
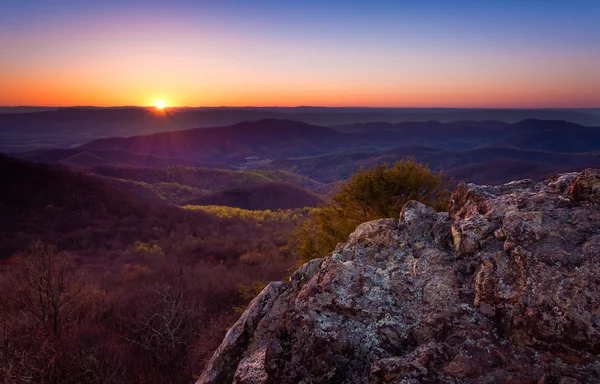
x: 159, y: 104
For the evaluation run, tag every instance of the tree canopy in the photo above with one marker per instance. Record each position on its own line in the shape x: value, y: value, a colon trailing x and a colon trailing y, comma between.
x: 369, y: 194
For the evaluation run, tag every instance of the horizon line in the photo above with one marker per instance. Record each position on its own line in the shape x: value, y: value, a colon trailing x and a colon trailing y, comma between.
x: 291, y: 107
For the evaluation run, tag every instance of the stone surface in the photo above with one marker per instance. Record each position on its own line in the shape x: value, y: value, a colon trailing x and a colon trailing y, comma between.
x: 236, y: 340
x: 504, y: 288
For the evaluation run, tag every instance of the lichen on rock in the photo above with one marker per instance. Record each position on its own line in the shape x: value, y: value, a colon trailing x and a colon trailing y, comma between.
x: 502, y: 288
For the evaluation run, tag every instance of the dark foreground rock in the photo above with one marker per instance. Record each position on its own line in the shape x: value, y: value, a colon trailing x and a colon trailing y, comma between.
x: 502, y: 289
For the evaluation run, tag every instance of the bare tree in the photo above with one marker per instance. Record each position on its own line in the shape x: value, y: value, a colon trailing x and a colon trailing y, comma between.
x: 44, y: 285
x: 165, y: 328
x: 157, y: 316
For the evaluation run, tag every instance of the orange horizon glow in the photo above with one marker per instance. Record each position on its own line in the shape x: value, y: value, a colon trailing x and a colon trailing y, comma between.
x: 189, y: 55
x: 88, y: 89
x: 494, y: 97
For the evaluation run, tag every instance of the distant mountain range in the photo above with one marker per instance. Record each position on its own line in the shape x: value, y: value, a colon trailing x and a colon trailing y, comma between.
x: 314, y: 158
x: 235, y: 144
x: 272, y: 139
x: 332, y: 167
x: 29, y: 128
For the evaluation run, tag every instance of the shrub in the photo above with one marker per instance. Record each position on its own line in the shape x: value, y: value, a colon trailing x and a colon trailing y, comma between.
x: 369, y: 194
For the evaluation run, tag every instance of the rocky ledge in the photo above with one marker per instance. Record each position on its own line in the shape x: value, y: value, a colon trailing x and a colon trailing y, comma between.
x: 502, y: 289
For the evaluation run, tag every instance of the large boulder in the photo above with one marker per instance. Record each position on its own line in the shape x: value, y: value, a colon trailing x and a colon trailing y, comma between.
x: 504, y: 288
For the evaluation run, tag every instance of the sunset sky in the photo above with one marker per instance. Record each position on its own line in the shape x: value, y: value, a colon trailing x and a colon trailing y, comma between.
x: 528, y: 53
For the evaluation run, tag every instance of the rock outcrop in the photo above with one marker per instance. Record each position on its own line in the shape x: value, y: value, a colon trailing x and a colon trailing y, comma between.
x: 504, y: 288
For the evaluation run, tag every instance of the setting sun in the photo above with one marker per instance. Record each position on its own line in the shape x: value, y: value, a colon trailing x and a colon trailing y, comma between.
x: 160, y: 104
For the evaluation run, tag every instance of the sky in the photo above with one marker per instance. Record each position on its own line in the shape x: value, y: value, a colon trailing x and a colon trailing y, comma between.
x: 426, y: 53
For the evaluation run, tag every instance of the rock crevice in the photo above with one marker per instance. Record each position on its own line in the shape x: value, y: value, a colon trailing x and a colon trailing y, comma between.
x: 502, y: 288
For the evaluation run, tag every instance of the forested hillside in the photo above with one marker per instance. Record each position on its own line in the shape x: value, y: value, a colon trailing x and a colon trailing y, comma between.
x: 179, y: 185
x: 142, y: 291
x: 83, y: 213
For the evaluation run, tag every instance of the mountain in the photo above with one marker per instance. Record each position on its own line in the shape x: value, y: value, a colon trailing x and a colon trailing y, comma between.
x: 330, y: 154
x: 461, y: 135
x: 284, y: 139
x: 455, y: 135
x: 414, y: 127
x: 261, y: 197
x: 502, y: 288
x: 236, y: 143
x: 553, y: 136
x: 332, y: 167
x: 26, y: 129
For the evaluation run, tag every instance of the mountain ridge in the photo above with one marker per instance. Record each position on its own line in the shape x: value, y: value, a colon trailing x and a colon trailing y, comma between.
x: 286, y: 138
x: 72, y: 126
x: 334, y: 153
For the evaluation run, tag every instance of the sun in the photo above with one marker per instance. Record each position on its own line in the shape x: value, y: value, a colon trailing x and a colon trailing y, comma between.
x: 160, y: 104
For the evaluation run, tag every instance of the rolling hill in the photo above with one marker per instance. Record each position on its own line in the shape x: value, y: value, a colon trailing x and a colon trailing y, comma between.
x: 89, y: 216
x: 75, y: 210
x: 329, y: 168
x: 234, y: 144
x: 205, y: 179
x: 284, y: 139
x: 326, y: 155
x: 179, y: 184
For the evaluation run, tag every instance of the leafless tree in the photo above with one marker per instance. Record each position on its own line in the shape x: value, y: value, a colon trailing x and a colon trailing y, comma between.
x: 44, y: 285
